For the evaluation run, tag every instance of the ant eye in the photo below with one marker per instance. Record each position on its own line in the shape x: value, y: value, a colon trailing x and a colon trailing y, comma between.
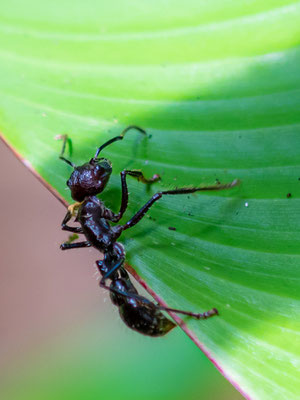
x: 106, y: 165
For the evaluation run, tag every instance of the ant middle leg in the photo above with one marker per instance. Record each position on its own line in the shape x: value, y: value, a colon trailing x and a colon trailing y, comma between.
x: 68, y: 246
x: 139, y: 215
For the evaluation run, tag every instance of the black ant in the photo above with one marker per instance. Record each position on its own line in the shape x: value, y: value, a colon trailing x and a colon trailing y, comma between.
x: 85, y: 182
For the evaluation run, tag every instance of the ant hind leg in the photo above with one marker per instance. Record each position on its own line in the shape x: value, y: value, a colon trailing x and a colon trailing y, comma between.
x: 139, y: 215
x: 205, y: 315
x: 110, y: 272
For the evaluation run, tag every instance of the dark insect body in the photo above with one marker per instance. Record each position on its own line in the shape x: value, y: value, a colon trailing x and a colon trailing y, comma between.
x: 85, y: 182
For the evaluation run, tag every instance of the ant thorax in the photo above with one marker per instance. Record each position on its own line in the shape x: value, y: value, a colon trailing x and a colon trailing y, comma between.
x: 93, y: 218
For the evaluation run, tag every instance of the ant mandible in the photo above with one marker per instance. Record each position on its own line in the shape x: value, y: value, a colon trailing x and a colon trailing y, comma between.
x: 85, y: 182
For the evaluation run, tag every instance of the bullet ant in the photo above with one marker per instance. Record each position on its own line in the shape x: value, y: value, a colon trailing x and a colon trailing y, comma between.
x: 89, y: 180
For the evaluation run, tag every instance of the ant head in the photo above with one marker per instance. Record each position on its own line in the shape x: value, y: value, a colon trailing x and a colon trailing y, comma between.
x: 90, y: 178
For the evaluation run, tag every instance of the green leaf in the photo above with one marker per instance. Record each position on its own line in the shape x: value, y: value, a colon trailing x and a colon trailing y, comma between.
x: 216, y: 85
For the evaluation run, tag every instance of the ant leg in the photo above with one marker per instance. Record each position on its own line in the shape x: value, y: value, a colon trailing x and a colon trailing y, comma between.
x: 138, y: 174
x: 111, y: 270
x: 68, y: 228
x: 65, y: 140
x: 139, y: 215
x: 120, y: 137
x: 124, y: 202
x: 125, y: 294
x: 71, y: 229
x: 103, y: 286
x: 131, y: 295
x: 205, y: 315
x: 67, y: 246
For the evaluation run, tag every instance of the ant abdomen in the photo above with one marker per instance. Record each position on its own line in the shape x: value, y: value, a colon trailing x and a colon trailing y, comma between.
x: 145, y: 318
x: 137, y: 312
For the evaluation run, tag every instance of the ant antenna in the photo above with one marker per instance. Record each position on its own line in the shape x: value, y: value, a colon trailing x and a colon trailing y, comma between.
x: 120, y: 137
x: 65, y: 140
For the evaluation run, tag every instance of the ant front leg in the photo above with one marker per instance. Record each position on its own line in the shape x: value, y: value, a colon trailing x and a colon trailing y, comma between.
x: 68, y: 228
x: 139, y: 215
x: 141, y: 178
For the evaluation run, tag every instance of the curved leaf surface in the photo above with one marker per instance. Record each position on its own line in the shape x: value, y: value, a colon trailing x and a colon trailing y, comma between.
x: 216, y: 85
